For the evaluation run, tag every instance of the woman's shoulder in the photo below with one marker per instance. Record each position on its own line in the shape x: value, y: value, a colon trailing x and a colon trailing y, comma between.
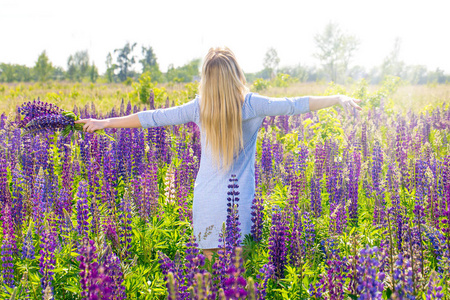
x: 254, y: 100
x: 252, y: 104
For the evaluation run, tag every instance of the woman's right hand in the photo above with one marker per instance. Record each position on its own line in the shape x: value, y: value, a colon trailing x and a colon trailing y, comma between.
x: 91, y: 125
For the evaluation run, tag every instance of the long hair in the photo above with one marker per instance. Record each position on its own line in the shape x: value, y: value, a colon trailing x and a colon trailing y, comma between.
x: 222, y: 91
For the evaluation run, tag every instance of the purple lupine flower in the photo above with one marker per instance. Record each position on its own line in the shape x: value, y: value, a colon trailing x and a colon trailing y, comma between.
x: 8, y: 247
x: 166, y: 264
x: 234, y: 284
x: 224, y: 259
x: 125, y: 219
x: 396, y: 209
x: 172, y: 287
x: 5, y: 196
x: 421, y: 185
x: 332, y: 285
x: 277, y: 154
x: 28, y: 247
x: 106, y: 282
x: 401, y: 155
x: 230, y: 234
x: 338, y: 216
x: 446, y: 196
x: 257, y: 176
x: 268, y: 271
x: 53, y: 226
x: 364, y: 139
x: 403, y: 278
x: 266, y: 158
x: 434, y: 290
x: 182, y: 192
x: 195, y: 260
x: 47, y: 260
x: 433, y: 204
x: 110, y: 229
x: 233, y: 231
x: 95, y: 193
x: 178, y: 271
x: 320, y: 157
x: 296, y: 242
x: 377, y: 163
x: 161, y: 142
x: 309, y: 231
x: 82, y: 210
x: 138, y: 150
x: 31, y: 110
x: 257, y: 218
x: 89, y: 268
x: 48, y: 123
x: 122, y: 150
x: 370, y: 281
x: 202, y: 287
x: 316, y: 197
x: 112, y: 269
x: 150, y: 191
x: 3, y: 118
x: 353, y: 184
x: 438, y: 244
x: 110, y: 179
x: 277, y: 242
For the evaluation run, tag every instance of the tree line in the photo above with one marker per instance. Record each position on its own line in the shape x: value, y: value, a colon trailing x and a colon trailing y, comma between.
x: 334, y: 49
x: 120, y: 67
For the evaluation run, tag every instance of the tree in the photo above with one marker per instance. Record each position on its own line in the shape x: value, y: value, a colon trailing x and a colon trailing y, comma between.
x: 299, y: 71
x: 78, y: 65
x: 271, y: 61
x: 7, y: 73
x: 93, y: 73
x: 43, y: 67
x: 150, y: 64
x: 110, y: 68
x: 125, y: 60
x: 10, y: 73
x: 335, y: 50
x: 58, y: 73
x: 185, y: 73
x: 416, y: 74
x: 437, y: 76
x: 392, y: 65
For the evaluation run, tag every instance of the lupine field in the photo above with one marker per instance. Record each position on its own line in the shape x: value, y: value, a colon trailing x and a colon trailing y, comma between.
x: 346, y: 207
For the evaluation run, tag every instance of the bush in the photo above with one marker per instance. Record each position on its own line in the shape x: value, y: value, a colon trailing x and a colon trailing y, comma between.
x: 144, y: 86
x: 283, y: 80
x: 260, y: 85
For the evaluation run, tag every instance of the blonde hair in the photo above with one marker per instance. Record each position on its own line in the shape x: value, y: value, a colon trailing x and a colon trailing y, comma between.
x: 222, y: 91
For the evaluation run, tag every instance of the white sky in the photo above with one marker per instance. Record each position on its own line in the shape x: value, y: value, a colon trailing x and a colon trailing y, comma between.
x: 182, y: 30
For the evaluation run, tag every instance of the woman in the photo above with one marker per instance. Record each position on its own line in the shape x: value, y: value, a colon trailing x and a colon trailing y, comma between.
x: 229, y: 118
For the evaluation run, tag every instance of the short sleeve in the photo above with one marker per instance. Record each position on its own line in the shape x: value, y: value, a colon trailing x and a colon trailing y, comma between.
x: 266, y: 106
x: 169, y: 116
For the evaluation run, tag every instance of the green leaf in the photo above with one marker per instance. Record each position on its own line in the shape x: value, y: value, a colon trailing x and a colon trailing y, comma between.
x: 102, y: 132
x: 65, y: 132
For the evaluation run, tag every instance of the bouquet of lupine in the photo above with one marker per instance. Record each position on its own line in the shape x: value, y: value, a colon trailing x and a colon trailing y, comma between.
x: 42, y: 117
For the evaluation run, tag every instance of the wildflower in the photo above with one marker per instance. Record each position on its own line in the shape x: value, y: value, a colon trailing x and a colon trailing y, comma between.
x: 277, y: 243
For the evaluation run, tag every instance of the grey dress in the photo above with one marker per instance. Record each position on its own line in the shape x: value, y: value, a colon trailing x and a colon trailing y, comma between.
x: 211, y: 185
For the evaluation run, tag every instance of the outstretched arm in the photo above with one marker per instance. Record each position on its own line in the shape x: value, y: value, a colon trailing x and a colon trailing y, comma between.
x: 319, y: 102
x: 91, y: 125
x: 267, y: 106
x: 150, y: 118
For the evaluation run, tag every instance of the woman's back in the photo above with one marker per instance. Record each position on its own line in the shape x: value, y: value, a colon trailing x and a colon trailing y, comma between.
x: 211, y: 184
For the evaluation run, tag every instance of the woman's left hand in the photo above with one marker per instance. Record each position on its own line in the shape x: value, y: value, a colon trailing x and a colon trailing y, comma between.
x: 349, y: 103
